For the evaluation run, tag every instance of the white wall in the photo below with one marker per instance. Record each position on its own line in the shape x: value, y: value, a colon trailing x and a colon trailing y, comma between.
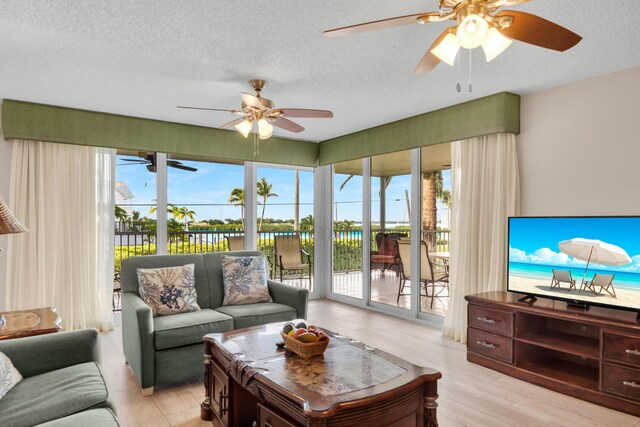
x: 5, y: 165
x: 579, y: 150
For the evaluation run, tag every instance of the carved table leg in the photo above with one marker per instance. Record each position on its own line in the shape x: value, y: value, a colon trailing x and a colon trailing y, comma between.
x: 205, y: 408
x: 430, y: 405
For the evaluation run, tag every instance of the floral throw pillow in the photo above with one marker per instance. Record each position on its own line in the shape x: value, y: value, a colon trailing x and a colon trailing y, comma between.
x: 245, y: 280
x: 9, y: 375
x: 168, y: 290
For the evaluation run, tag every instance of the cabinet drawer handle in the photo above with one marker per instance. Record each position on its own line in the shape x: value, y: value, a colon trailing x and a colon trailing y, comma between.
x: 486, y: 344
x: 631, y: 384
x: 223, y: 404
x: 486, y: 320
x: 634, y: 352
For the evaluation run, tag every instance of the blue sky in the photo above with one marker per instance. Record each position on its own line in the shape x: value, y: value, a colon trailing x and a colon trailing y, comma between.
x: 213, y: 182
x: 536, y: 239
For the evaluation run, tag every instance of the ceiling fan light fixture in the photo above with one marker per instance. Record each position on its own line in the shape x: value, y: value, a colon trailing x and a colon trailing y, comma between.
x: 472, y: 31
x: 447, y: 49
x: 244, y: 127
x: 265, y: 129
x: 494, y: 44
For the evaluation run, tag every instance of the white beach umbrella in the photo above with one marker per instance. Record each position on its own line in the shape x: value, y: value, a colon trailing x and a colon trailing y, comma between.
x: 595, y: 251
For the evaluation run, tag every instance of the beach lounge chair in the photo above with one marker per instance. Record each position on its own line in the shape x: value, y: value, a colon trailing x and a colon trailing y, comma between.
x: 604, y: 281
x: 562, y: 276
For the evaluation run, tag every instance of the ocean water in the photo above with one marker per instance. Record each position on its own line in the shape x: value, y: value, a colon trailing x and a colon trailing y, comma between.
x: 627, y: 280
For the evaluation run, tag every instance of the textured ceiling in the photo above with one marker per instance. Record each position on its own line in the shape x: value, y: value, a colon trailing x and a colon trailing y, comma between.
x: 142, y: 58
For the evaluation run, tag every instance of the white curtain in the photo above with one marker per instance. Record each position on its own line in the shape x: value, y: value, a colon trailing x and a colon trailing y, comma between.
x: 486, y: 191
x: 64, y: 194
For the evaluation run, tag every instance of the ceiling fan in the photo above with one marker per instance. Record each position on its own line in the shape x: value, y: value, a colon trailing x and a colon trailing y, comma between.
x: 149, y: 159
x: 259, y: 110
x: 478, y: 24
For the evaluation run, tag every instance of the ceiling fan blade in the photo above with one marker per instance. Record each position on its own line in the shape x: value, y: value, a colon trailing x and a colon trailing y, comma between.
x: 179, y: 165
x: 429, y: 61
x: 538, y: 31
x: 252, y: 101
x: 152, y: 168
x: 286, y: 124
x: 302, y: 112
x: 135, y: 160
x: 398, y: 21
x: 207, y: 109
x: 231, y: 123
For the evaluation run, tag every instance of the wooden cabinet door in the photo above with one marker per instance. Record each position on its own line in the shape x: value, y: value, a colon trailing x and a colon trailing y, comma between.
x: 220, y: 394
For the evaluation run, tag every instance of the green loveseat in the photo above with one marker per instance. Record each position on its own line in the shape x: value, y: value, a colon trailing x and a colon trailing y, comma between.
x: 168, y: 349
x: 63, y: 385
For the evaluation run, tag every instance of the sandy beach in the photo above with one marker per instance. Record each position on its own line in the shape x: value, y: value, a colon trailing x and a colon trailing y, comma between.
x: 625, y: 298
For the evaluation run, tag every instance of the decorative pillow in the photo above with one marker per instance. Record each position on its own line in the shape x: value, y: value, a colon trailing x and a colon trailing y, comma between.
x: 9, y: 375
x: 245, y: 280
x: 168, y: 290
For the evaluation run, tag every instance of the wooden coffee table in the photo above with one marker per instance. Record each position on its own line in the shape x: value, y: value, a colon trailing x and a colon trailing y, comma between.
x: 250, y: 382
x: 26, y: 323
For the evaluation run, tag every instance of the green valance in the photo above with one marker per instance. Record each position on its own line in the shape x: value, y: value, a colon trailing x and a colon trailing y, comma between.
x: 39, y: 122
x: 492, y: 114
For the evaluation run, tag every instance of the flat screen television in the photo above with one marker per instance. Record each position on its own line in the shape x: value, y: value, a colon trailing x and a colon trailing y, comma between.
x: 582, y: 260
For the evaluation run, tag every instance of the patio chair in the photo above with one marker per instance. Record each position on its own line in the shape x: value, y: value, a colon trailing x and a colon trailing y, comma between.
x: 290, y: 256
x: 604, y: 281
x: 562, y: 276
x: 235, y: 243
x: 385, y: 258
x: 430, y: 273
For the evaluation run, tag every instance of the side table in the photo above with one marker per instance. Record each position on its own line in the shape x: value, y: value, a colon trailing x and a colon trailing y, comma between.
x: 26, y: 323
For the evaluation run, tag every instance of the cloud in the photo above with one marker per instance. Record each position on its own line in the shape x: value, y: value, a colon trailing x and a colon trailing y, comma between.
x: 634, y: 267
x: 543, y: 256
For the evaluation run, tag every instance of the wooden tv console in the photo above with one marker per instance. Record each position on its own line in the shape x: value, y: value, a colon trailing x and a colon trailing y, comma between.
x: 592, y: 355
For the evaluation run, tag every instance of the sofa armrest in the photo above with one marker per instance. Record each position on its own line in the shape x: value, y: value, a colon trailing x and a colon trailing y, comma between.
x: 297, y: 298
x: 44, y: 353
x: 137, y: 338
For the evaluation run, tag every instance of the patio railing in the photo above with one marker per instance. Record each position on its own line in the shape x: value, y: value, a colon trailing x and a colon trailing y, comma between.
x: 347, y: 245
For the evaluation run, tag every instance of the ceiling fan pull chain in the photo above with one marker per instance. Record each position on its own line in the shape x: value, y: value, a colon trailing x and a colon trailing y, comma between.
x: 470, y: 84
x: 458, y: 85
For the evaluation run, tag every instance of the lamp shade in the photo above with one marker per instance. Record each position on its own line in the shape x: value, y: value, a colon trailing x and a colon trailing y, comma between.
x: 8, y: 223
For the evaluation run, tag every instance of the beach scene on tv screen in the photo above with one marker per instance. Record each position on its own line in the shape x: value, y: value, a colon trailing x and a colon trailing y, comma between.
x: 594, y: 260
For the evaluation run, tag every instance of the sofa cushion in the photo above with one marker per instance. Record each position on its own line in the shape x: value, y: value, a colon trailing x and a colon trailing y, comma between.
x: 258, y: 314
x: 54, y: 395
x: 188, y: 328
x: 245, y: 280
x: 129, y: 275
x: 213, y: 262
x: 168, y: 290
x: 102, y: 417
x: 9, y: 375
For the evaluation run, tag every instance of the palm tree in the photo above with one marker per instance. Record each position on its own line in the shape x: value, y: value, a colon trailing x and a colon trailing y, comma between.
x: 237, y: 198
x: 307, y: 223
x: 185, y: 213
x: 264, y: 191
x: 432, y: 189
x: 446, y: 199
x: 121, y: 214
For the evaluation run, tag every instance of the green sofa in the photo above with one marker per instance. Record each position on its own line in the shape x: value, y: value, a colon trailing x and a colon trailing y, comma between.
x: 63, y: 385
x: 168, y: 349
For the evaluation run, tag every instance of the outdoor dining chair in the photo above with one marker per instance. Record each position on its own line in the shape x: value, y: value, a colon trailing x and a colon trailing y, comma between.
x: 604, y: 281
x: 430, y: 273
x: 291, y: 257
x: 562, y: 276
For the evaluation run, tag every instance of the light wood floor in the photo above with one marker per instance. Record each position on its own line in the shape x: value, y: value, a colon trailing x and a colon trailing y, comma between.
x: 469, y: 394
